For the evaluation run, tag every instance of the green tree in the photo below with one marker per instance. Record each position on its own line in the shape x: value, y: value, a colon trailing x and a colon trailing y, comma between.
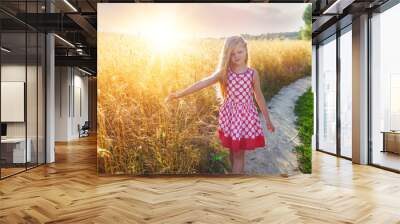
x: 306, y: 30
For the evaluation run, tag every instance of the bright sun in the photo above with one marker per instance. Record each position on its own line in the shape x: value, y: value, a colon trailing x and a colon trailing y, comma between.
x: 163, y: 34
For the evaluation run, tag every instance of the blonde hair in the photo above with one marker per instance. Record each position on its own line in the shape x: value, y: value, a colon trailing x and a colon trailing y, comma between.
x: 224, y: 63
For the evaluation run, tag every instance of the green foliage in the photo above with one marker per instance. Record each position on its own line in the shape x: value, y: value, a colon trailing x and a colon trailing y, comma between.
x: 304, y: 112
x: 306, y: 31
x: 214, y: 162
x: 307, y: 15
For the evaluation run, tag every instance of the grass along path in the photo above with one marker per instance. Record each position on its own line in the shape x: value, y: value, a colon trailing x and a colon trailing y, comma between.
x: 304, y: 112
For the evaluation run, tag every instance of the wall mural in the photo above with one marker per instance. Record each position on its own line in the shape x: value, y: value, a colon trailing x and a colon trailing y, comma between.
x: 218, y: 88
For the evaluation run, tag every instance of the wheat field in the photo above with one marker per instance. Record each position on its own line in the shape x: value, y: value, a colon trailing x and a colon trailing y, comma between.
x: 139, y: 134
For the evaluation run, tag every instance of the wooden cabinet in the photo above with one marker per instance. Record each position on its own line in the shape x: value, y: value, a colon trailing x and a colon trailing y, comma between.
x: 391, y: 142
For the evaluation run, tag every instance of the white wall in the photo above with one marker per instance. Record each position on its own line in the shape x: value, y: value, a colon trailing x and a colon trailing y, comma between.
x: 62, y: 81
x: 71, y: 93
x: 14, y: 72
x: 11, y: 73
x: 79, y: 117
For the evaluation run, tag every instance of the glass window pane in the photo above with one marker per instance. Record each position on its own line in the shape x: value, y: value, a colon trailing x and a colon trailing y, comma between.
x: 41, y: 98
x: 23, y: 90
x: 327, y: 96
x: 13, y: 86
x: 31, y: 97
x: 346, y: 94
x: 385, y: 114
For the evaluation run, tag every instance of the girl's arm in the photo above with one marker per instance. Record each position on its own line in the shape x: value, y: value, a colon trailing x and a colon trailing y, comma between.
x: 261, y: 100
x: 210, y: 80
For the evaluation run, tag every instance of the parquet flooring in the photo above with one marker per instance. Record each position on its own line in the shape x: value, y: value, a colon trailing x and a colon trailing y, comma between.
x: 70, y: 191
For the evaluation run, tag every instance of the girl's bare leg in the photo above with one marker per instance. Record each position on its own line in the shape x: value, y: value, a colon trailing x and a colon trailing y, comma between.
x: 238, y: 162
x: 234, y: 163
x: 231, y: 158
x: 241, y: 161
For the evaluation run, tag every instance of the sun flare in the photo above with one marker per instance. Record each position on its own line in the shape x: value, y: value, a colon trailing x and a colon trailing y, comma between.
x: 162, y: 34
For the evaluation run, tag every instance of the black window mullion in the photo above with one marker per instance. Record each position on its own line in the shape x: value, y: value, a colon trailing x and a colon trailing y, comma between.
x: 73, y: 92
x: 317, y: 97
x: 46, y: 3
x: 1, y: 165
x: 37, y: 90
x: 369, y: 89
x: 26, y: 87
x: 45, y: 93
x: 338, y: 73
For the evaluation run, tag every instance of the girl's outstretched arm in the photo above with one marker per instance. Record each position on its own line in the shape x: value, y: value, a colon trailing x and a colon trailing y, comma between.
x: 210, y: 80
x: 261, y: 101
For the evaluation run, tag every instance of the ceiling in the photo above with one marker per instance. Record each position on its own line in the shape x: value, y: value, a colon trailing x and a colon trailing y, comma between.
x: 332, y: 15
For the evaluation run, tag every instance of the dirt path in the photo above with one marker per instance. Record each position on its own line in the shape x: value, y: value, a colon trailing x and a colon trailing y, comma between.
x: 279, y: 157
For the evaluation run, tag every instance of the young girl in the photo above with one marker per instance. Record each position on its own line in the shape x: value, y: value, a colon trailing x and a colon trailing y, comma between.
x: 239, y: 126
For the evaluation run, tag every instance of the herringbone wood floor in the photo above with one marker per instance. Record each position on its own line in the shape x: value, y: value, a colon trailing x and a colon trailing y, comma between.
x: 70, y: 191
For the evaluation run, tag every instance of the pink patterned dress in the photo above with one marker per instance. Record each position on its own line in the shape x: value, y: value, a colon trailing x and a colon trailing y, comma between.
x: 239, y: 126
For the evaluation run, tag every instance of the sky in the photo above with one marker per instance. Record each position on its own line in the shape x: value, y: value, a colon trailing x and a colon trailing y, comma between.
x: 199, y: 19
